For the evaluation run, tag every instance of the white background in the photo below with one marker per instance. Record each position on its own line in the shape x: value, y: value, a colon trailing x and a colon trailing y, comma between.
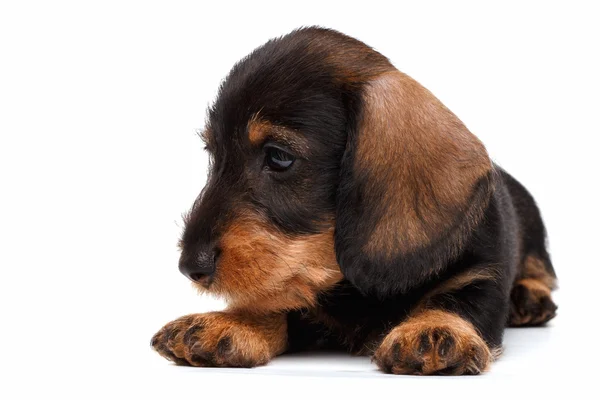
x: 99, y: 102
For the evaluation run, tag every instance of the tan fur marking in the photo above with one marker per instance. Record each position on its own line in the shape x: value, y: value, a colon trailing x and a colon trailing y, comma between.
x: 455, y: 283
x: 431, y: 342
x: 535, y: 285
x: 422, y: 154
x: 263, y: 270
x: 258, y: 130
x: 231, y: 338
x: 534, y: 268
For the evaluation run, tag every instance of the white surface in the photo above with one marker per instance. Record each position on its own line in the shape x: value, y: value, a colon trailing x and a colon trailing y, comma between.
x: 98, y: 159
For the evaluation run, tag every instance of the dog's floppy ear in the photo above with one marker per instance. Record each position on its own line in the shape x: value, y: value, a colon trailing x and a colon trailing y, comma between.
x: 413, y: 184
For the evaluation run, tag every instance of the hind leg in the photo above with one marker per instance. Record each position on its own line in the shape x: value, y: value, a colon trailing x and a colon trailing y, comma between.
x: 531, y: 300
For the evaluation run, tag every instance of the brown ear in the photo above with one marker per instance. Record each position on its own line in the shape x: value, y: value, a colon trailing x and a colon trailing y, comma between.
x: 414, y: 183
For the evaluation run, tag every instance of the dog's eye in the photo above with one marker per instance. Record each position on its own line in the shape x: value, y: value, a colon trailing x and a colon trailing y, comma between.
x: 278, y: 160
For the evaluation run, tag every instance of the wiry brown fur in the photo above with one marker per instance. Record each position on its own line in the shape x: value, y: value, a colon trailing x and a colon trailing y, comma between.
x: 263, y: 270
x: 424, y: 156
x: 533, y: 267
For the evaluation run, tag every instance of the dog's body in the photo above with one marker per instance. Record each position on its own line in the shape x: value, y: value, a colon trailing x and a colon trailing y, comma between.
x: 347, y: 207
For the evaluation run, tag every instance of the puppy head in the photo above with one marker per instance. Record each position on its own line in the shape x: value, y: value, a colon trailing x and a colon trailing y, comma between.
x: 326, y: 162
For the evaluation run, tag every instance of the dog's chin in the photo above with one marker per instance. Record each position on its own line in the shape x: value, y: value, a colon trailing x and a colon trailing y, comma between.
x: 270, y: 292
x: 218, y: 287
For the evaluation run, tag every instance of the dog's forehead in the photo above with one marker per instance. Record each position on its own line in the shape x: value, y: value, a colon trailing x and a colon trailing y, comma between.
x: 297, y: 81
x: 300, y: 84
x: 291, y: 100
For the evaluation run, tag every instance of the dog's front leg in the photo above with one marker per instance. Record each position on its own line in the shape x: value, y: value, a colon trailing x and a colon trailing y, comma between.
x: 232, y: 338
x: 455, y: 330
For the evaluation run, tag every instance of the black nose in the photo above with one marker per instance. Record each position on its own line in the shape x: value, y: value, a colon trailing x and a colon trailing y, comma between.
x: 200, y: 266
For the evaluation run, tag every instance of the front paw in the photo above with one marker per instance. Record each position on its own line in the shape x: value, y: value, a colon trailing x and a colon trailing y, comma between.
x: 219, y: 339
x: 434, y: 342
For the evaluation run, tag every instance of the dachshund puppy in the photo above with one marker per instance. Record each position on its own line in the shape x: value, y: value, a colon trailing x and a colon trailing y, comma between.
x: 347, y: 208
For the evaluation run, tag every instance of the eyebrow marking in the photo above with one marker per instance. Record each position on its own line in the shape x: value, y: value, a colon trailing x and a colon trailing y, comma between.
x: 259, y: 131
